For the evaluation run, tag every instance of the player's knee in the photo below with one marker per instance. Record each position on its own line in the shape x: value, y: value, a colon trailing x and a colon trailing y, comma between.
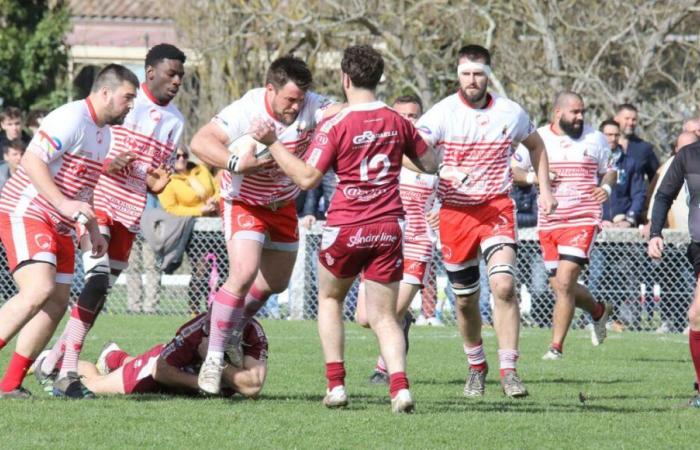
x: 36, y: 296
x: 502, y: 281
x: 694, y: 316
x: 464, y: 282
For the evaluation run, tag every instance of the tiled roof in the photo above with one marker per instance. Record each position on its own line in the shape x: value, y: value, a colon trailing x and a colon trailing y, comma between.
x: 132, y: 9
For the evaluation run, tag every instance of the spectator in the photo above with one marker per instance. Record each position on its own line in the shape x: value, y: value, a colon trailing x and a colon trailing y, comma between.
x: 626, y: 116
x: 11, y: 124
x: 192, y: 192
x: 624, y: 209
x: 34, y: 119
x: 12, y: 153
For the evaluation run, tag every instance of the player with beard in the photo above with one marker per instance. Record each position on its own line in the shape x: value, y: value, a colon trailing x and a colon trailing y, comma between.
x: 39, y: 207
x: 142, y: 149
x: 579, y: 157
x: 477, y: 132
x: 364, y: 143
x: 258, y: 209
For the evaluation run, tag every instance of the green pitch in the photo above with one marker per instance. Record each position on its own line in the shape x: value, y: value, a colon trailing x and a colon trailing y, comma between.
x: 624, y: 394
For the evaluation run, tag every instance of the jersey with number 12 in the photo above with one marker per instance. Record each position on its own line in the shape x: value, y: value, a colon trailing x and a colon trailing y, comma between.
x: 365, y: 144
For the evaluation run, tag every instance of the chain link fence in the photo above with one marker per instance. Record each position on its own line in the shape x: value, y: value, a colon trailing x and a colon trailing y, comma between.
x: 645, y: 295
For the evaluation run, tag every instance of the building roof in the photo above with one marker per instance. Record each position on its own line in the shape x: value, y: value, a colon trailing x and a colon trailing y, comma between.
x: 126, y: 9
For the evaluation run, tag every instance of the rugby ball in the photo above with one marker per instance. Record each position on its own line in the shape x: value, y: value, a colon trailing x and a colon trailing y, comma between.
x: 246, y: 144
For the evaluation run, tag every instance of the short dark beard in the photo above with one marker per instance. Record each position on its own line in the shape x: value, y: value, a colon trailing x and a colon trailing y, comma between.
x: 473, y: 100
x: 569, y: 129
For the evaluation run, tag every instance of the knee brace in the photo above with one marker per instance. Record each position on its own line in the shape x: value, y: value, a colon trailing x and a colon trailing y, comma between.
x: 506, y: 269
x: 489, y: 252
x: 98, y: 280
x: 464, y: 281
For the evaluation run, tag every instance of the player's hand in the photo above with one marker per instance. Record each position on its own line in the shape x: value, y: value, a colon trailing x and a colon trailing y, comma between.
x: 599, y: 195
x: 655, y: 247
x: 158, y: 178
x: 607, y: 224
x: 263, y: 131
x: 548, y: 202
x: 120, y: 161
x: 622, y: 224
x: 248, y: 164
x: 433, y: 219
x: 72, y: 209
x: 99, y: 243
x: 308, y: 221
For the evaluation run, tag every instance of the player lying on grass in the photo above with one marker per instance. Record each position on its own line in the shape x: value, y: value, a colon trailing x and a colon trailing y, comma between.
x: 173, y: 367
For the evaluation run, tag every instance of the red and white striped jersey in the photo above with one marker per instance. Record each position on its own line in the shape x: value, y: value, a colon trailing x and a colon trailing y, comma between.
x: 479, y: 141
x: 578, y: 164
x: 271, y: 185
x: 152, y: 131
x: 417, y: 195
x: 74, y: 148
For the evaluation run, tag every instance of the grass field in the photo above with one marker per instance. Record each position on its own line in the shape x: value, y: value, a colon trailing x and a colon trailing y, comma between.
x: 634, y: 385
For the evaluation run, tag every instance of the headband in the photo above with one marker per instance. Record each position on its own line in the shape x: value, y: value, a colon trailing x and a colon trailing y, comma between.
x: 476, y: 66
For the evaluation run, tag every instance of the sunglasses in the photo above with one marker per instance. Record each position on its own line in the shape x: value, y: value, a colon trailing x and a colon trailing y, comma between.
x: 182, y: 155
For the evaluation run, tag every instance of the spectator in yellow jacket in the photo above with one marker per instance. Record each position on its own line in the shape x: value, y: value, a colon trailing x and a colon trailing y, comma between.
x: 192, y: 191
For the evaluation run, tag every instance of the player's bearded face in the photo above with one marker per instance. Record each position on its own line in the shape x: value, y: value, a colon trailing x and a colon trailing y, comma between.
x: 473, y: 84
x: 119, y: 104
x: 572, y: 125
x: 286, y: 102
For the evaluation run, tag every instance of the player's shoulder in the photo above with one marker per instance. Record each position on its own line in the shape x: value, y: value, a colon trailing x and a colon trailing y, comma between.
x: 446, y: 105
x: 504, y: 105
x: 70, y: 116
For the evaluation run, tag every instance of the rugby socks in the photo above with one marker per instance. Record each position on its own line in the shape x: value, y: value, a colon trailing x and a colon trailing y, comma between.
x: 508, y: 360
x: 115, y: 359
x: 253, y: 302
x: 694, y: 341
x: 3, y: 343
x: 335, y: 374
x: 397, y: 381
x: 226, y: 312
x: 381, y: 366
x: 476, y: 357
x: 557, y: 347
x: 598, y: 311
x: 16, y: 371
x: 79, y: 324
x: 51, y: 360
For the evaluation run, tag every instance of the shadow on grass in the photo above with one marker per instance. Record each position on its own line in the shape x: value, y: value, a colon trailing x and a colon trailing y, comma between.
x: 661, y: 360
x: 581, y: 381
x: 529, y: 407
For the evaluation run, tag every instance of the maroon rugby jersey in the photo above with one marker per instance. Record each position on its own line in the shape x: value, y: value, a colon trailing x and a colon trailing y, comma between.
x: 364, y: 144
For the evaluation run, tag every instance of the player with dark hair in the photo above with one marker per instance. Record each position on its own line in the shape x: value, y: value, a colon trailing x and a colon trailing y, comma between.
x: 138, y: 162
x: 49, y: 194
x: 172, y: 367
x: 417, y: 190
x: 579, y: 157
x: 477, y: 132
x: 258, y: 208
x: 364, y: 143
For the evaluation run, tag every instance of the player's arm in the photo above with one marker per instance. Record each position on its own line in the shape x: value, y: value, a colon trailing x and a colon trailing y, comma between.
x: 247, y: 381
x: 668, y: 190
x: 172, y: 376
x: 601, y: 194
x: 40, y: 176
x: 420, y: 152
x: 538, y: 156
x: 304, y: 175
x: 520, y: 176
x: 210, y: 144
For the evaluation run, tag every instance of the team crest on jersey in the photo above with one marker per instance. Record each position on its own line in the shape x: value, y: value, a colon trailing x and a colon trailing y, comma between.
x: 329, y: 259
x: 482, y: 120
x: 155, y: 115
x: 446, y: 252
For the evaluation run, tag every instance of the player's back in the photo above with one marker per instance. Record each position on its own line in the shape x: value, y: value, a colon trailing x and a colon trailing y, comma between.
x: 365, y: 144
